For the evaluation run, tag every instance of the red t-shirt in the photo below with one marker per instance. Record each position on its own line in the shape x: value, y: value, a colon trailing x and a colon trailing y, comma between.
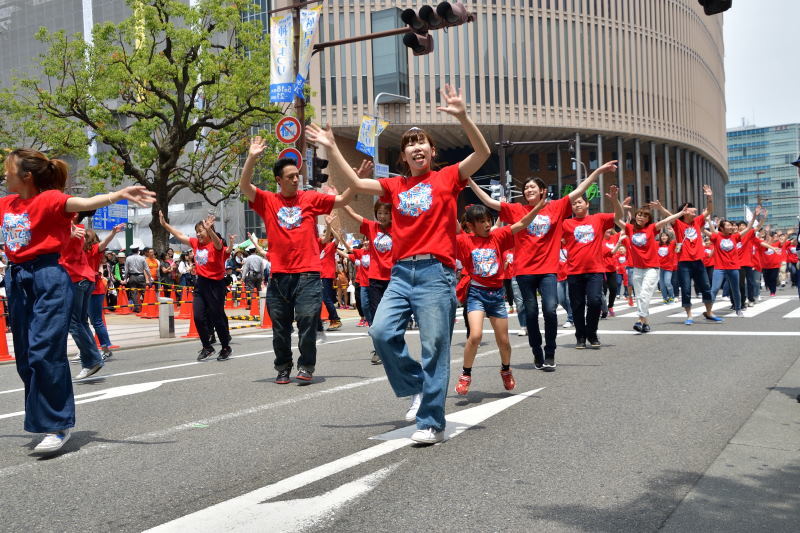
x: 424, y: 215
x: 643, y: 246
x: 380, y: 240
x: 708, y: 256
x: 291, y: 226
x: 483, y: 256
x: 508, y: 264
x: 726, y: 255
x: 791, y: 252
x: 583, y: 238
x: 74, y: 259
x: 666, y: 256
x: 36, y: 226
x: 209, y: 262
x: 755, y: 253
x: 561, y: 275
x: 327, y: 259
x: 537, y: 245
x: 361, y: 259
x: 745, y: 249
x: 770, y: 258
x: 93, y: 257
x: 690, y: 236
x: 608, y: 258
x: 621, y: 261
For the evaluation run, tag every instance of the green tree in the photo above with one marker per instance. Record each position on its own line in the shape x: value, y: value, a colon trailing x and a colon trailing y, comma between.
x: 173, y: 95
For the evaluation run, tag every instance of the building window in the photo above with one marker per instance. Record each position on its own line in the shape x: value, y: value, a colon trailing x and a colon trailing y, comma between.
x: 631, y: 191
x: 552, y: 161
x: 629, y: 161
x: 592, y: 160
x: 533, y: 162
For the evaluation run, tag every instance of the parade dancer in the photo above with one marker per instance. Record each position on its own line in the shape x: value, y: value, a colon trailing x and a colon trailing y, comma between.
x: 36, y: 222
x: 725, y: 239
x: 424, y: 221
x: 94, y: 249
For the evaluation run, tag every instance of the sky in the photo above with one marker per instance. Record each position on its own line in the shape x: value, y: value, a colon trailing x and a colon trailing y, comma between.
x: 762, y: 62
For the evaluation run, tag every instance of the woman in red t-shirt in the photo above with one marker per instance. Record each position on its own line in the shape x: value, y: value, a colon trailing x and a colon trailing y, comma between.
x: 724, y: 240
x: 481, y: 251
x: 208, y: 306
x: 36, y: 220
x: 666, y: 257
x: 424, y: 211
x: 771, y: 259
x: 94, y: 249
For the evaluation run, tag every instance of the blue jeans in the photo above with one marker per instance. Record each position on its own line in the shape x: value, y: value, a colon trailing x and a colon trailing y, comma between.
x: 492, y: 302
x: 693, y: 270
x: 79, y: 324
x: 364, y: 295
x: 96, y: 317
x: 665, y: 281
x: 733, y: 285
x: 329, y: 298
x: 563, y: 299
x: 39, y: 303
x: 585, y: 295
x: 425, y: 288
x: 546, y: 285
x: 293, y: 297
x: 518, y: 303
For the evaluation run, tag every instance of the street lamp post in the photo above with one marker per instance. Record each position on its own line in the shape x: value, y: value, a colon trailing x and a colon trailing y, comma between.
x: 392, y: 98
x: 759, y: 173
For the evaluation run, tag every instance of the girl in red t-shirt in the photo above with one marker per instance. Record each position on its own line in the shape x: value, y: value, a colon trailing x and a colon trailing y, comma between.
x: 94, y: 249
x: 771, y: 259
x: 208, y: 306
x: 424, y: 211
x: 666, y: 257
x: 724, y: 240
x: 36, y: 220
x: 481, y: 252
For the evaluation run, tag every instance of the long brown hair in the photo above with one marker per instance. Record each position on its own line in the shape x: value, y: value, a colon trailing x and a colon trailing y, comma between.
x: 411, y: 136
x: 90, y: 238
x: 645, y: 211
x: 47, y: 173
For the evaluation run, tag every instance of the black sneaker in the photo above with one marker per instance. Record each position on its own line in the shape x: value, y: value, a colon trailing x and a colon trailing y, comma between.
x: 205, y: 353
x: 224, y: 353
x: 638, y: 326
x: 549, y: 363
x: 376, y: 359
x: 645, y: 328
x: 538, y: 362
x: 283, y: 377
x: 594, y: 343
x: 304, y: 375
x: 107, y: 353
x: 580, y: 344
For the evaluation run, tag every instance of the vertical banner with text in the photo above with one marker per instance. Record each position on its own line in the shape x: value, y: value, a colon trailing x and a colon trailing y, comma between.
x: 281, y: 72
x: 370, y: 128
x: 309, y: 19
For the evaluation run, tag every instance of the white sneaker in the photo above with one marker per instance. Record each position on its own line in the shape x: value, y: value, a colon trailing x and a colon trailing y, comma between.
x: 411, y: 414
x: 75, y: 358
x: 86, y: 372
x: 739, y: 313
x: 321, y: 337
x: 52, y: 442
x: 522, y: 333
x: 427, y: 436
x: 567, y: 324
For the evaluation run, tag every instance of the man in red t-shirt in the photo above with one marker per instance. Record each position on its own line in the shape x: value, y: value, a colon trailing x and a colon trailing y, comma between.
x: 536, y: 257
x: 294, y: 289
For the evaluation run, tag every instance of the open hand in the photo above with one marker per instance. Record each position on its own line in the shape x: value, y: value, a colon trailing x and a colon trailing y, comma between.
x: 320, y: 136
x: 366, y: 169
x: 138, y: 195
x: 454, y: 102
x: 257, y: 146
x: 610, y: 166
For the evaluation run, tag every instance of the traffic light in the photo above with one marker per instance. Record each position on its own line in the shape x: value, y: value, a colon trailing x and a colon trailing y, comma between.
x: 712, y: 7
x: 317, y: 178
x: 427, y: 18
x: 496, y: 190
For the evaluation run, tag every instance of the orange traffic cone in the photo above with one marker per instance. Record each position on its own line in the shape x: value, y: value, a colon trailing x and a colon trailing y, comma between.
x: 242, y: 298
x: 186, y: 306
x: 229, y: 299
x: 192, y: 329
x: 254, y: 301
x: 150, y: 307
x: 266, y: 321
x: 122, y: 302
x: 4, y: 354
x: 323, y: 314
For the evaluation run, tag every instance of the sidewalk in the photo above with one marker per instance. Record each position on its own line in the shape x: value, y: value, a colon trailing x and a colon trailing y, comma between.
x: 753, y: 484
x: 131, y: 331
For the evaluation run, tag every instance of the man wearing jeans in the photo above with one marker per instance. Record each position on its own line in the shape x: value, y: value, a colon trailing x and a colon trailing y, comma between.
x: 294, y: 291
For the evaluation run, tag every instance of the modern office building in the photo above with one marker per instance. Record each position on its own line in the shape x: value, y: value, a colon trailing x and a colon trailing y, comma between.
x: 759, y: 165
x: 641, y: 82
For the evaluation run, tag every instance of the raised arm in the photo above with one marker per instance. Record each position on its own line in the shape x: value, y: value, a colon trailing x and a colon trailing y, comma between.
x: 254, y: 240
x: 104, y: 243
x: 349, y: 211
x: 487, y: 200
x: 709, y: 194
x: 208, y: 223
x: 182, y: 238
x: 257, y: 147
x: 750, y: 222
x: 620, y: 242
x: 135, y: 193
x: 517, y: 226
x: 454, y: 106
x: 670, y: 219
x: 581, y: 189
x: 324, y: 137
x: 619, y: 213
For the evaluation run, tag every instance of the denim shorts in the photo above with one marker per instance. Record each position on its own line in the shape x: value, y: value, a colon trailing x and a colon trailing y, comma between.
x: 491, y: 301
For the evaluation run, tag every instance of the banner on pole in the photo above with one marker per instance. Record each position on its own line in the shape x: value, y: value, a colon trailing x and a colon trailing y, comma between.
x: 309, y: 22
x: 371, y: 127
x: 281, y: 87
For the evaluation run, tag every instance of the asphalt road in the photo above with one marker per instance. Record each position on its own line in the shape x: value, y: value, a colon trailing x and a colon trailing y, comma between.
x: 613, y: 441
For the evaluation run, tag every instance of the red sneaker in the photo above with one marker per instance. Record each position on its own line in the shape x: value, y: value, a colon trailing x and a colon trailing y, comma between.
x: 630, y: 301
x: 611, y: 312
x: 462, y: 387
x: 508, y: 379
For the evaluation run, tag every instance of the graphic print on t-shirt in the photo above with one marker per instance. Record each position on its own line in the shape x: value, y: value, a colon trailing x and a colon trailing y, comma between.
x: 690, y: 233
x: 16, y: 231
x: 539, y: 226
x: 639, y: 239
x: 416, y: 200
x: 484, y: 262
x: 663, y: 251
x: 584, y: 233
x: 290, y: 217
x: 726, y: 245
x: 201, y: 257
x: 365, y: 260
x: 382, y: 242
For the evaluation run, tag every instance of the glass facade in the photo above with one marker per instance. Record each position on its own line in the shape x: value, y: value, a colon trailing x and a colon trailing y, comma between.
x: 389, y: 55
x: 759, y: 166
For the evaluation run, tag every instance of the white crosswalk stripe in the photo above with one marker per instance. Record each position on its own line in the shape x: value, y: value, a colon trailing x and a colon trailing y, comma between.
x: 654, y: 309
x: 793, y: 314
x: 760, y: 307
x: 720, y: 304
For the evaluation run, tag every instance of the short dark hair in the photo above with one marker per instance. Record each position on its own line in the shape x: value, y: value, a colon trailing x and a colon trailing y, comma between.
x: 476, y: 212
x: 538, y: 181
x: 280, y: 164
x: 381, y: 205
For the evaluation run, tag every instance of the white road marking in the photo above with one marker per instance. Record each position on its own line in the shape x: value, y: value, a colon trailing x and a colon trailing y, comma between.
x: 654, y: 309
x: 793, y: 314
x: 690, y: 331
x: 760, y: 307
x: 699, y: 310
x: 242, y: 513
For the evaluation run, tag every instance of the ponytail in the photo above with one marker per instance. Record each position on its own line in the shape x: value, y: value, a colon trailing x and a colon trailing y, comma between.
x: 47, y: 173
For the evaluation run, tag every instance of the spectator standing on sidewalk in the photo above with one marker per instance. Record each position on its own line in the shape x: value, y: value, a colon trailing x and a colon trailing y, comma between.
x: 137, y: 277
